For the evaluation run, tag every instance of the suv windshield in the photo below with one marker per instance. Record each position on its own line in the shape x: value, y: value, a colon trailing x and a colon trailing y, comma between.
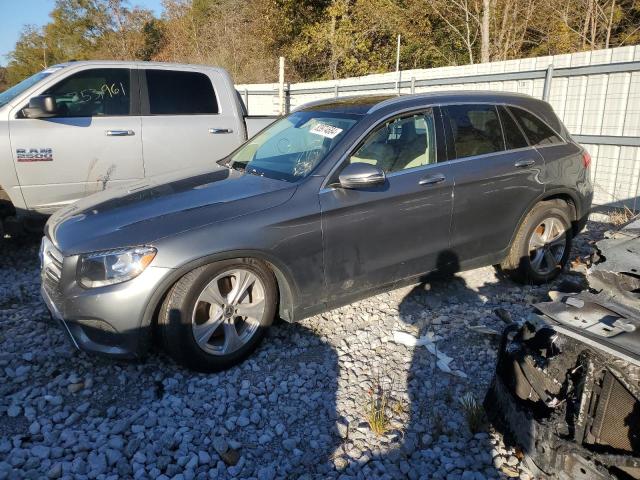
x: 292, y: 147
x: 13, y: 92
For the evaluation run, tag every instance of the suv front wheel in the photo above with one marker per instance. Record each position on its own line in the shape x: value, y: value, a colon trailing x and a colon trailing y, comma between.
x: 216, y: 315
x: 542, y: 244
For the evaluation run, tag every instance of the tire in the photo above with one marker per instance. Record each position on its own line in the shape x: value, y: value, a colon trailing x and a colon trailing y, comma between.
x: 529, y: 265
x: 202, y: 304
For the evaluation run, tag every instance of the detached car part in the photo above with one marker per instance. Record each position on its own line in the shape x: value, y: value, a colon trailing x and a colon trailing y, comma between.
x: 567, y: 384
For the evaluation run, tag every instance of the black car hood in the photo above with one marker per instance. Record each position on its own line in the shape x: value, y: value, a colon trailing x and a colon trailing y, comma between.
x: 160, y: 207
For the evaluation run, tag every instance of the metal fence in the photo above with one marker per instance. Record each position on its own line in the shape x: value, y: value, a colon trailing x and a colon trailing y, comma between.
x: 596, y: 94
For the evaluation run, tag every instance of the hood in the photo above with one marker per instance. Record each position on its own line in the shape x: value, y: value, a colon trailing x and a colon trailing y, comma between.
x: 161, y: 206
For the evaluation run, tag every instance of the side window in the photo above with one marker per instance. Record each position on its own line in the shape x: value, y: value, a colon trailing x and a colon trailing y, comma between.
x: 535, y: 129
x: 93, y: 93
x: 180, y: 93
x: 475, y: 129
x: 513, y: 136
x: 400, y: 144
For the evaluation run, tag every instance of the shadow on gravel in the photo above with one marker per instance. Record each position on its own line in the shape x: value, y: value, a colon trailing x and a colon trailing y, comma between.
x: 273, y: 416
x: 443, y: 437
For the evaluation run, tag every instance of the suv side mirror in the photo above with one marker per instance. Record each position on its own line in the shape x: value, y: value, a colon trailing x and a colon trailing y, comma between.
x: 361, y: 175
x: 42, y: 106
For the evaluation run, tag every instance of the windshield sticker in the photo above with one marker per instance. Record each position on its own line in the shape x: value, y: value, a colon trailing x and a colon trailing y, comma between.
x: 325, y: 130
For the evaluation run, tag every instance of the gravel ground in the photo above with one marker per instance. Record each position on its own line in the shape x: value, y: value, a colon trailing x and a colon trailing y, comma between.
x: 299, y: 407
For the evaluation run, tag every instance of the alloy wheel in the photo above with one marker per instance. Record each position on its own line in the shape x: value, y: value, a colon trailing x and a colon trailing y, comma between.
x: 228, y: 311
x: 547, y: 245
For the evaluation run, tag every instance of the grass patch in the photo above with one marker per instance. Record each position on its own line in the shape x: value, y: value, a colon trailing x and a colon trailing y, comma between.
x: 378, y: 409
x: 473, y: 412
x: 399, y: 407
x: 620, y: 216
x: 381, y: 406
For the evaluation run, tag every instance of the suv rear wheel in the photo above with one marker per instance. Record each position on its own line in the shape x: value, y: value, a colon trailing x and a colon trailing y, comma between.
x: 216, y: 315
x: 542, y: 244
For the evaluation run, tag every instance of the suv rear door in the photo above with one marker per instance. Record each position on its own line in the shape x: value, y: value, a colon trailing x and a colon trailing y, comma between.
x: 186, y: 120
x: 497, y: 176
x: 92, y: 143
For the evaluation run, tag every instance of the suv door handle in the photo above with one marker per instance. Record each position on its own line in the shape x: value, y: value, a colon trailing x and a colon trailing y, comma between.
x: 220, y: 130
x: 432, y: 180
x: 120, y: 133
x: 524, y: 163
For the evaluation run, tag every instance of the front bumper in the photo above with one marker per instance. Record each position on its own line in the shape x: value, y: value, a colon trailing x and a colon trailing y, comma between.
x: 106, y: 320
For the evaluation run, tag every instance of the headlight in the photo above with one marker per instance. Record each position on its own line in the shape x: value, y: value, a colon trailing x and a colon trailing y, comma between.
x: 113, y: 266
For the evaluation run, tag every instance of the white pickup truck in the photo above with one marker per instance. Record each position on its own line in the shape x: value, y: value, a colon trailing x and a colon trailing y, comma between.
x: 80, y: 127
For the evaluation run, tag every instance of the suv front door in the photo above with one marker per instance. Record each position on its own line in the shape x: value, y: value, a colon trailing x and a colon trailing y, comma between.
x: 93, y: 142
x: 497, y: 177
x: 378, y: 235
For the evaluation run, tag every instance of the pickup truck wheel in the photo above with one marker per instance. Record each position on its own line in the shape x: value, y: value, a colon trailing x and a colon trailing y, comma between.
x: 216, y: 315
x: 542, y: 244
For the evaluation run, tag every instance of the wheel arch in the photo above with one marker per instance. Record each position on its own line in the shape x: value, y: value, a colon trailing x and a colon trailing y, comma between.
x: 284, y: 282
x: 560, y: 194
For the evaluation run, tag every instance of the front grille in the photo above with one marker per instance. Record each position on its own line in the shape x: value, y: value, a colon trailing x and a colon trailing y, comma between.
x: 51, y: 262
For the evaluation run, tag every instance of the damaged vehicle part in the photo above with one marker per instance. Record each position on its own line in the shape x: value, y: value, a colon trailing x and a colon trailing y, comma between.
x: 567, y: 385
x: 572, y: 408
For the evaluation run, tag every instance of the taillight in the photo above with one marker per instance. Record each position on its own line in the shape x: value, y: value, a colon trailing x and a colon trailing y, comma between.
x: 586, y: 159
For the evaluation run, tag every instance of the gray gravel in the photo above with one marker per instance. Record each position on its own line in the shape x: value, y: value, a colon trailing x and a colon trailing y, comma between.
x: 297, y: 408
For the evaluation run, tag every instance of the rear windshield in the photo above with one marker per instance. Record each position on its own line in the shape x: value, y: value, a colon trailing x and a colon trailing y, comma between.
x: 13, y: 92
x: 291, y: 148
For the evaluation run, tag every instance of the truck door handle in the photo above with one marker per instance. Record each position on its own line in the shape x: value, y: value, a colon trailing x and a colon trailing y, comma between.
x: 524, y: 163
x: 432, y: 180
x: 120, y: 133
x: 220, y: 130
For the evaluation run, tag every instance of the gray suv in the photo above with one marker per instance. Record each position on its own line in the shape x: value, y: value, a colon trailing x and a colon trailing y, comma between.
x: 334, y: 202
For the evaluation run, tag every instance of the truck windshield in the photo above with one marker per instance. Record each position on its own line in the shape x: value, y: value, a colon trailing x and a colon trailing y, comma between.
x: 13, y: 92
x: 292, y: 147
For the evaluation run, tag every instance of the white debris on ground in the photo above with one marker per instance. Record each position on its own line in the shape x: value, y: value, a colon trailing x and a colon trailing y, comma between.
x: 429, y: 340
x: 305, y: 405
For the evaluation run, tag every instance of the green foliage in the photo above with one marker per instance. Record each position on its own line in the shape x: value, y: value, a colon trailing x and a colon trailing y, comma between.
x: 321, y: 39
x: 153, y: 39
x: 3, y: 79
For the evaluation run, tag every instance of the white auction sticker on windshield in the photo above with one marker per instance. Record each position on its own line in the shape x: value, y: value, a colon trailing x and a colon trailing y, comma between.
x: 325, y: 130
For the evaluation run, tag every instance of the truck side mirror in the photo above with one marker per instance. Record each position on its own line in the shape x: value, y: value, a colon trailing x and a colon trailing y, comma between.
x: 42, y: 106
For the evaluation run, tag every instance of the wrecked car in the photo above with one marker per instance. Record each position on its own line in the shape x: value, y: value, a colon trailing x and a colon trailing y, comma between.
x: 567, y: 383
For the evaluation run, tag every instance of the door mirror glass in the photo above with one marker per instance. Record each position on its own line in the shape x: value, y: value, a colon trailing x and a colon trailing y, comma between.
x: 361, y: 175
x: 42, y: 106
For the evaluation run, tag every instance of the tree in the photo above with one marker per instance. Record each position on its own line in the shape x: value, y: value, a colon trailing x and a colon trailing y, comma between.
x: 4, y: 83
x: 322, y: 38
x: 31, y: 54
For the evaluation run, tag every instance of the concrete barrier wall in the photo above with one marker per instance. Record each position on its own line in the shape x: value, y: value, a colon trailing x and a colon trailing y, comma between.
x: 596, y: 94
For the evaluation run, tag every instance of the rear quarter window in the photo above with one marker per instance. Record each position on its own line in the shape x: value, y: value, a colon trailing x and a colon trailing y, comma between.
x: 535, y: 129
x: 513, y: 136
